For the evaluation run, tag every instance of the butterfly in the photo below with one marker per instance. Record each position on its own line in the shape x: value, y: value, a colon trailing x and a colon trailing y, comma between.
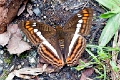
x: 60, y: 45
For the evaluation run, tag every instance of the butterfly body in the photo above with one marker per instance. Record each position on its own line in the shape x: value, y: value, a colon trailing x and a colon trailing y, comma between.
x: 61, y: 45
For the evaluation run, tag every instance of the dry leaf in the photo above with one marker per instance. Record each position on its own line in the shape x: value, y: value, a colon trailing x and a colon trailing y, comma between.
x: 16, y: 45
x: 22, y: 8
x: 114, y: 57
x: 86, y: 74
x: 26, y: 72
x: 4, y: 38
x: 14, y: 40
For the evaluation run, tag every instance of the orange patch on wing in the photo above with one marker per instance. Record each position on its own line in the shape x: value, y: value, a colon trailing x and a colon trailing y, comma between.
x: 30, y: 29
x: 34, y: 36
x: 82, y: 30
x: 37, y: 39
x: 84, y: 18
x: 83, y: 26
x: 75, y: 50
x: 86, y: 15
x: 27, y: 23
x: 27, y: 26
x: 51, y: 56
x: 32, y: 32
x: 84, y: 11
x: 84, y: 21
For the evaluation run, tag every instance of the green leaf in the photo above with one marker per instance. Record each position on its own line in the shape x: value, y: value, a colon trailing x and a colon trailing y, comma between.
x: 107, y: 15
x: 83, y: 65
x: 102, y: 55
x: 111, y: 4
x: 109, y: 30
x: 114, y: 67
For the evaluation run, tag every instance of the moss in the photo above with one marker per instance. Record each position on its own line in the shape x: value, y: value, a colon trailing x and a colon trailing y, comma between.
x: 4, y: 75
x: 23, y: 55
x: 8, y: 60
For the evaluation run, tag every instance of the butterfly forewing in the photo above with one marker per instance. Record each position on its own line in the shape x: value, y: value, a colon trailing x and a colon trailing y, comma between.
x: 28, y: 30
x: 82, y: 20
x: 86, y: 21
x: 34, y: 29
x: 46, y: 30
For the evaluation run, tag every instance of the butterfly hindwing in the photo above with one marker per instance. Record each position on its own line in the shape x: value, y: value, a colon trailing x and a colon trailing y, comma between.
x: 51, y: 52
x: 76, y: 48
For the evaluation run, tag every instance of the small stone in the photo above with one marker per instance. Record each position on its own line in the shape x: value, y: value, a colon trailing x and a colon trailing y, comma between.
x: 12, y: 67
x: 22, y: 63
x: 27, y: 15
x: 94, y: 49
x: 19, y: 66
x: 1, y: 70
x: 1, y: 47
x: 37, y: 11
x: 1, y: 51
x: 33, y: 1
x: 32, y: 60
x: 30, y: 12
x: 1, y: 62
x: 44, y: 17
x: 67, y: 75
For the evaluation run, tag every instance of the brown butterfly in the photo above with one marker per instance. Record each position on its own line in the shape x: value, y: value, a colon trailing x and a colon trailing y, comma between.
x: 59, y: 46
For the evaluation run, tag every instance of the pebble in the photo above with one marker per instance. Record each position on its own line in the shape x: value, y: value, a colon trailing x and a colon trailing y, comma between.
x: 1, y: 70
x: 19, y: 66
x: 34, y: 1
x: 44, y: 17
x: 1, y: 62
x: 94, y: 49
x: 1, y: 46
x: 37, y: 11
x: 12, y: 67
x: 32, y: 60
x: 22, y: 63
x: 1, y: 51
x: 67, y: 75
